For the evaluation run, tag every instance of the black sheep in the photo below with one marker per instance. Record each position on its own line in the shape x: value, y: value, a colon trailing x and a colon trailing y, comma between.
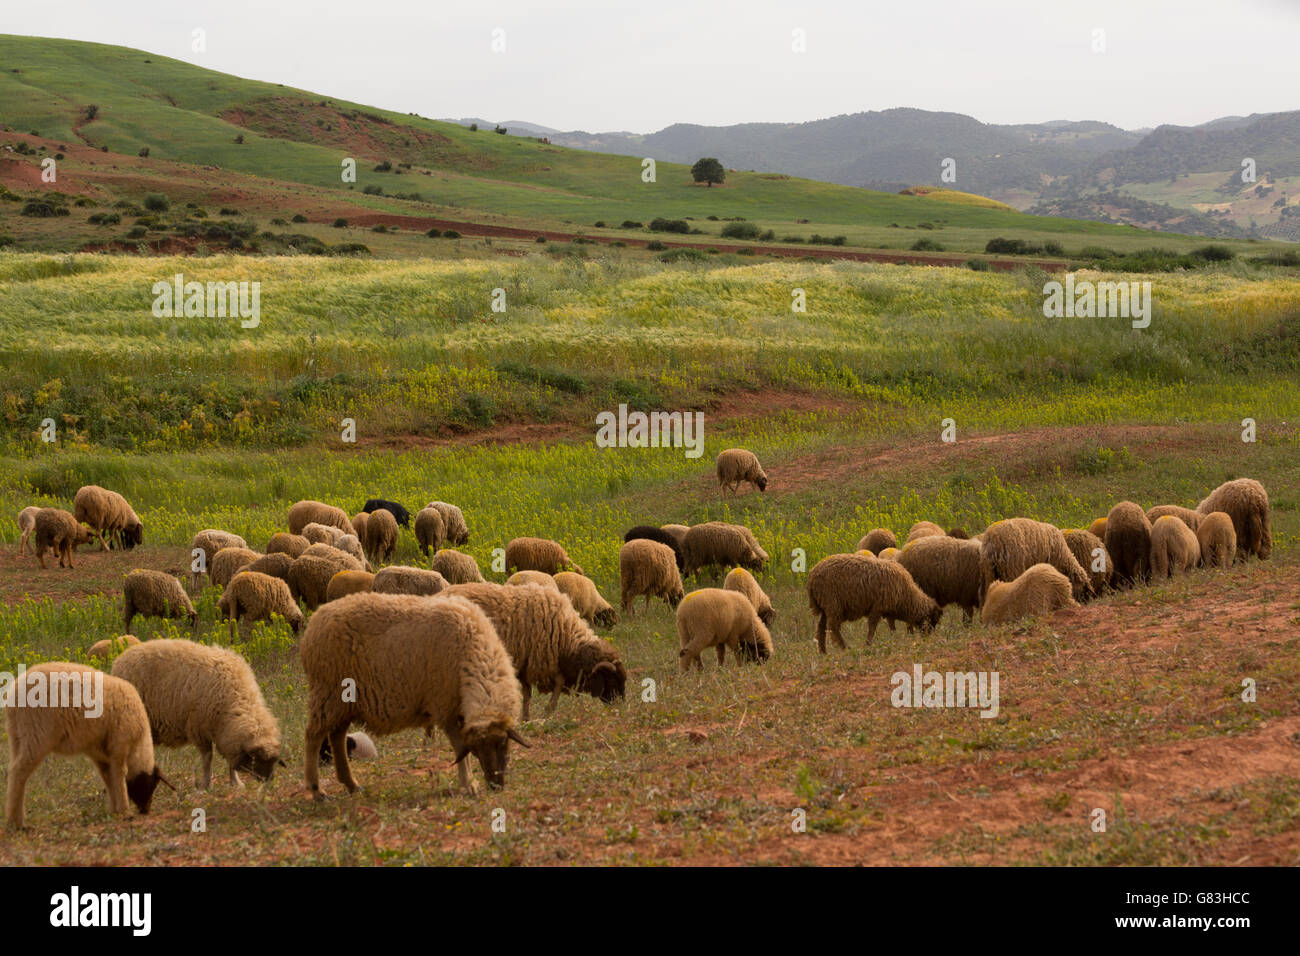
x: 652, y: 533
x: 397, y: 511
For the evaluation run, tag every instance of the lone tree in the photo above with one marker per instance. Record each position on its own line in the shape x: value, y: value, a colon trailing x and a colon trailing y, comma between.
x: 708, y: 170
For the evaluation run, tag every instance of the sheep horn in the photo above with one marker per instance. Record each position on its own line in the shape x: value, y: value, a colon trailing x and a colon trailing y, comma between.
x: 162, y: 779
x: 606, y: 666
x: 461, y: 754
x: 514, y: 735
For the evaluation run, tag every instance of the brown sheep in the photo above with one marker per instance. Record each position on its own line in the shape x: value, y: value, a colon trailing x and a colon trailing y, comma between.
x: 540, y: 578
x: 1090, y: 552
x: 586, y: 600
x: 1040, y: 590
x: 738, y: 579
x: 845, y: 587
x: 308, y: 512
x: 1128, y: 542
x: 348, y: 582
x: 538, y: 554
x: 678, y: 531
x: 360, y: 520
x: 284, y: 543
x: 1189, y: 517
x: 1098, y: 529
x: 1246, y: 502
x: 430, y: 530
x: 717, y: 544
x: 924, y: 529
x: 254, y: 596
x: 400, y: 579
x: 718, y: 618
x: 154, y: 594
x: 456, y: 566
x: 381, y: 535
x: 276, y: 565
x: 57, y: 529
x: 105, y: 510
x: 1174, y: 548
x: 226, y: 562
x: 1013, y: 545
x: 26, y: 525
x: 738, y: 465
x: 1217, y: 539
x: 947, y: 569
x: 206, y: 544
x: 877, y: 540
x: 650, y: 568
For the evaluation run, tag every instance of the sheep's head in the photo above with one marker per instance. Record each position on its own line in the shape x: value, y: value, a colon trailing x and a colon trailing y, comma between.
x: 132, y: 535
x: 491, y: 746
x: 755, y: 561
x: 676, y: 595
x: 931, y: 619
x: 607, y: 617
x: 607, y: 680
x: 762, y: 482
x: 84, y: 536
x: 767, y: 615
x: 260, y: 760
x: 140, y: 787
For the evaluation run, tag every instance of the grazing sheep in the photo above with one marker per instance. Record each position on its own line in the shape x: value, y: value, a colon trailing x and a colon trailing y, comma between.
x: 1174, y: 548
x: 309, y: 577
x: 317, y: 533
x: 105, y: 510
x: 877, y: 540
x: 226, y: 562
x: 453, y: 522
x: 284, y: 543
x: 923, y: 529
x: 117, y: 739
x: 1128, y: 542
x: 1084, y: 545
x: 651, y: 533
x: 430, y: 530
x: 718, y: 618
x: 381, y: 535
x: 533, y: 577
x: 400, y: 514
x: 678, y: 531
x: 359, y: 522
x: 718, y: 544
x: 845, y: 587
x: 538, y: 554
x: 399, y: 579
x: 1098, y: 528
x: 1246, y: 502
x: 1218, y: 540
x: 26, y: 525
x: 1012, y: 546
x: 360, y: 747
x: 738, y: 579
x: 348, y: 582
x: 414, y: 662
x: 889, y: 554
x: 586, y: 600
x: 1189, y: 517
x: 346, y: 561
x: 958, y: 533
x: 736, y: 465
x: 58, y: 529
x: 947, y: 569
x: 304, y: 513
x: 551, y: 647
x: 276, y: 565
x: 254, y: 596
x: 456, y: 566
x: 208, y: 542
x: 205, y: 697
x: 1041, y: 589
x: 349, y: 544
x: 103, y: 650
x: 154, y: 594
x: 650, y: 568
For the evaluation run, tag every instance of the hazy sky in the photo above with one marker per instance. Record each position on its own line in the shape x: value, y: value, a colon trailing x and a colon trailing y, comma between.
x: 613, y: 64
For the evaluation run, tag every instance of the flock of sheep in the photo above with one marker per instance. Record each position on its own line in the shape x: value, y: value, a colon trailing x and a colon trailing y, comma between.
x: 398, y: 647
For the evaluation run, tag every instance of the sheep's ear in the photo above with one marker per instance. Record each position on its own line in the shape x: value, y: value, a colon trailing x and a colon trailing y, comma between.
x: 514, y: 735
x: 461, y: 754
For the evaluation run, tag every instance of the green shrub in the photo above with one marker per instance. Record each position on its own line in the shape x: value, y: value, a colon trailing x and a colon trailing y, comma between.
x: 926, y: 245
x: 451, y: 234
x: 434, y: 233
x: 299, y: 217
x: 660, y: 224
x: 340, y: 223
x: 157, y: 202
x: 740, y: 230
x: 978, y: 265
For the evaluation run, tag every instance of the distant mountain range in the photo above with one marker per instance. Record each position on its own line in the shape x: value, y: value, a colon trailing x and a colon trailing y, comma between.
x: 1176, y: 178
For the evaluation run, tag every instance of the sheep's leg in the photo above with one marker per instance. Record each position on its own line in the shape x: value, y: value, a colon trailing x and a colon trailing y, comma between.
x: 467, y: 782
x: 19, y: 771
x: 339, y: 747
x: 722, y: 650
x: 22, y: 543
x: 315, y: 735
x: 103, y: 545
x: 872, y: 621
x: 116, y: 781
x: 205, y: 765
x: 833, y: 623
x: 527, y: 697
x: 821, y: 633
x: 555, y: 699
x: 234, y: 777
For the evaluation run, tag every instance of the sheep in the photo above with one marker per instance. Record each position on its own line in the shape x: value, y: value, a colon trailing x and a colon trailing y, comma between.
x: 1217, y: 539
x: 923, y: 529
x: 736, y: 465
x: 359, y: 522
x: 845, y: 587
x: 58, y: 529
x: 105, y: 510
x: 1098, y: 529
x: 1041, y: 589
x: 453, y: 521
x: 226, y: 562
x: 538, y: 554
x: 208, y: 542
x: 400, y: 514
x: 1128, y: 542
x: 1084, y: 545
x: 678, y: 531
x: 650, y: 568
x: 309, y: 577
x: 877, y: 540
x: 550, y: 646
x: 430, y: 530
x: 1189, y: 517
x: 26, y: 525
x: 276, y: 565
x: 349, y: 544
x: 1174, y: 547
x: 399, y: 579
x: 414, y: 662
x: 1246, y: 502
x: 889, y: 554
x: 348, y: 582
x: 317, y: 533
x: 381, y: 535
x: 360, y: 747
x: 738, y: 579
x: 456, y: 566
x: 651, y: 533
x: 102, y: 650
x: 116, y: 738
x: 303, y: 513
x: 533, y: 577
x: 284, y: 543
x: 947, y: 569
x: 718, y: 618
x: 1012, y: 545
x: 154, y: 594
x: 586, y: 600
x: 346, y: 561
x: 205, y: 697
x: 254, y: 596
x: 718, y: 544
